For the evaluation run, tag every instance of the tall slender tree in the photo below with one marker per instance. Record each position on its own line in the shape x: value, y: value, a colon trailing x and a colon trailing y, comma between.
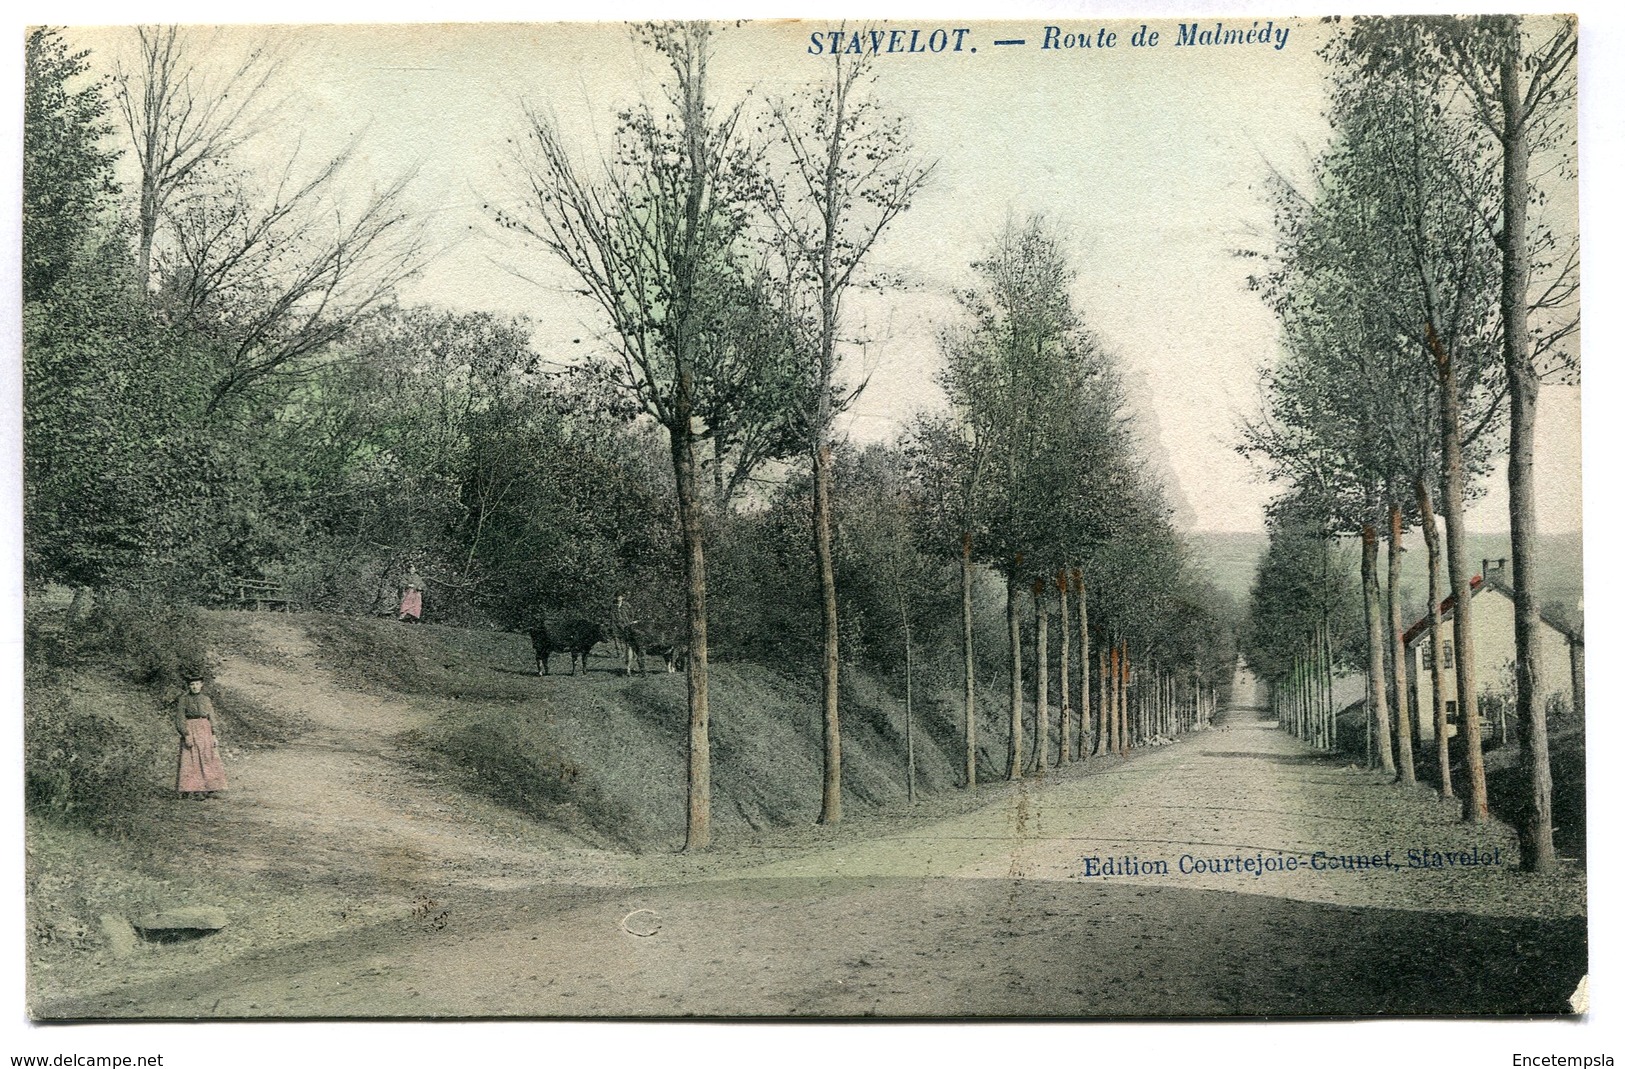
x: 846, y: 174
x: 181, y: 117
x: 657, y: 243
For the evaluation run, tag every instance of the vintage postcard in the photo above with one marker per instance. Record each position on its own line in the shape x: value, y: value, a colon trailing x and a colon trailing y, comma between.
x: 804, y: 519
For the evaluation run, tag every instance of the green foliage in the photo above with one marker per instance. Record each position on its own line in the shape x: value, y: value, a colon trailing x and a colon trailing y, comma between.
x: 67, y: 172
x: 892, y: 589
x: 155, y: 643
x: 761, y: 598
x: 90, y: 757
x: 1305, y: 580
x: 1389, y: 243
x: 1038, y: 466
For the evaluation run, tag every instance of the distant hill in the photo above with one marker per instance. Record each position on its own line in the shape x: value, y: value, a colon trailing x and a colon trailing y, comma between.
x: 1232, y: 558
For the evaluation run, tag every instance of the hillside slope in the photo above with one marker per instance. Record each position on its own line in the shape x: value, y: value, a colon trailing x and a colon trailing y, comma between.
x: 603, y: 756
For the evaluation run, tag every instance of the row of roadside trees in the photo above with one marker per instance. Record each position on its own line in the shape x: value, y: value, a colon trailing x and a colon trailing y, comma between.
x: 1427, y: 284
x: 1034, y: 470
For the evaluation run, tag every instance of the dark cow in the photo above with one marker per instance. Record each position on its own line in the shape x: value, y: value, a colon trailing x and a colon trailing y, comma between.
x: 574, y: 635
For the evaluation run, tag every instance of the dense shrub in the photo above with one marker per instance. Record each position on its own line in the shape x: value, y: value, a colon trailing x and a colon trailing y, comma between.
x: 155, y: 643
x: 90, y: 758
x: 96, y: 749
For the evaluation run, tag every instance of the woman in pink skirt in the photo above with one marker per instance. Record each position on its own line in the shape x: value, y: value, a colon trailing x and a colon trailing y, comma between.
x: 412, y: 598
x: 201, y: 773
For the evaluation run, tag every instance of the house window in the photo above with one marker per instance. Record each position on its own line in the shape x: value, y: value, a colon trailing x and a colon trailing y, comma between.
x: 1450, y: 712
x: 1449, y: 655
x: 1427, y: 657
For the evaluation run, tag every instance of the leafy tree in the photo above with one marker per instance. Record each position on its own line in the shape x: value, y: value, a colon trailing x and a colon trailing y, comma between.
x: 658, y: 244
x: 68, y: 182
x: 999, y: 373
x: 1302, y: 619
x: 1040, y: 469
x: 111, y: 462
x: 1518, y: 77
x: 1381, y: 290
x: 844, y: 173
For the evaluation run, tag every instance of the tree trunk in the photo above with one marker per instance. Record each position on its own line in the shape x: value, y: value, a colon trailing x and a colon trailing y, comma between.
x: 1455, y: 532
x: 1164, y: 727
x: 1122, y: 702
x: 1374, y: 655
x: 1170, y: 714
x: 1303, y: 697
x: 1041, y: 670
x: 1577, y: 677
x: 699, y: 711
x: 146, y: 231
x: 1396, y: 649
x: 1317, y: 690
x: 1102, y: 726
x: 823, y: 546
x: 719, y: 486
x: 1061, y: 582
x: 1108, y: 697
x: 908, y: 694
x: 1329, y: 714
x: 1083, y: 662
x: 1441, y: 722
x: 1012, y: 602
x: 968, y: 634
x: 1536, y: 851
x: 1165, y: 707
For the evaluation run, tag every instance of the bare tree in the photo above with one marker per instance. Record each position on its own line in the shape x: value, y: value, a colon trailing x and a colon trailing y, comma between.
x: 655, y: 243
x: 272, y: 273
x: 182, y: 117
x: 847, y: 173
x: 276, y: 277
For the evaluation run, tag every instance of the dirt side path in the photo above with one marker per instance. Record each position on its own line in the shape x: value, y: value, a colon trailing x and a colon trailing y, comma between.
x: 988, y: 912
x: 341, y: 803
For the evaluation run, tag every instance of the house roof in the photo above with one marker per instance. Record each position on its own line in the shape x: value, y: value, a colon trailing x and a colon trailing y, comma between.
x: 1477, y: 583
x: 1445, y: 607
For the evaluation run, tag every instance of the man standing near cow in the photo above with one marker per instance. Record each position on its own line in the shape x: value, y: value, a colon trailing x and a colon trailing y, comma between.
x: 636, y: 638
x: 577, y: 635
x: 624, y: 629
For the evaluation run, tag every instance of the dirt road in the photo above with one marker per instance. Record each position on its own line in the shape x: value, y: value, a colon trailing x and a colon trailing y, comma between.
x: 1008, y: 909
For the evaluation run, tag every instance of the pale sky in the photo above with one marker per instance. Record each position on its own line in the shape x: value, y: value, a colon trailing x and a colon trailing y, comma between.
x: 1151, y: 160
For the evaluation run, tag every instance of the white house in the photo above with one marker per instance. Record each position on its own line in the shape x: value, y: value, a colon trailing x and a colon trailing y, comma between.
x: 1562, y: 657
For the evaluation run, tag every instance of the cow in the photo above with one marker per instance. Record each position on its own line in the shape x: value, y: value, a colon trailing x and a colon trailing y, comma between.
x: 637, y: 638
x: 574, y: 635
x: 674, y: 652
